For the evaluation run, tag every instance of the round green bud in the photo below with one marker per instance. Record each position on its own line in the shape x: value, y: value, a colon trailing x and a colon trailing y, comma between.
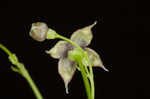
x: 39, y: 31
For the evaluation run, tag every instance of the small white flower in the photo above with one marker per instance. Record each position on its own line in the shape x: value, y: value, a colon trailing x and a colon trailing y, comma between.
x: 66, y: 67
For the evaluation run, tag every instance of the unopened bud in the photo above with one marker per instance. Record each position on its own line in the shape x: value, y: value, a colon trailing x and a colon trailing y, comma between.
x: 39, y: 31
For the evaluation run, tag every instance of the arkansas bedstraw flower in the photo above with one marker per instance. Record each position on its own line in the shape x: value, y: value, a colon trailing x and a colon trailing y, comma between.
x: 67, y: 67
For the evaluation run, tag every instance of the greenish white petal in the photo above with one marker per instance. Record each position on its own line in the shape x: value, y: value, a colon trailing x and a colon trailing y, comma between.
x: 66, y: 69
x: 58, y: 50
x: 83, y: 36
x: 95, y: 58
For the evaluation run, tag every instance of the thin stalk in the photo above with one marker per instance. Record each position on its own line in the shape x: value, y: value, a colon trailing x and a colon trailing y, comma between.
x: 69, y: 41
x: 85, y: 80
x: 91, y: 79
x: 23, y: 71
x: 5, y: 49
x: 34, y: 87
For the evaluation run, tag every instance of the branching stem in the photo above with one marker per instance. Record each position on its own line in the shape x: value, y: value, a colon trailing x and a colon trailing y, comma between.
x: 19, y: 68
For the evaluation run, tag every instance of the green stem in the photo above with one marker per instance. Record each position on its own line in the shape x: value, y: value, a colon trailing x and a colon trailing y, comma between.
x: 33, y: 86
x: 84, y: 75
x: 91, y: 79
x: 5, y: 49
x: 22, y: 70
x: 71, y: 42
x: 85, y: 80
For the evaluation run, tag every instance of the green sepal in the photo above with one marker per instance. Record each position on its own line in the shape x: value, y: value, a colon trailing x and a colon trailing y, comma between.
x: 51, y: 34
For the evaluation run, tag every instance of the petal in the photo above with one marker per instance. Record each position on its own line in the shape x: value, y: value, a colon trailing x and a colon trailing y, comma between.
x: 83, y: 36
x: 58, y: 50
x: 66, y: 69
x: 95, y: 58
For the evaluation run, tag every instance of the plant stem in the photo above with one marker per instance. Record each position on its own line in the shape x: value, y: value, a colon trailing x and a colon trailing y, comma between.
x: 85, y: 80
x: 5, y: 49
x: 23, y: 71
x: 91, y: 79
x: 84, y: 75
x: 33, y: 86
x: 69, y: 41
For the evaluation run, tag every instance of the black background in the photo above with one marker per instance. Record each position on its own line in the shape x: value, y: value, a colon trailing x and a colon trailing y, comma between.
x: 120, y: 37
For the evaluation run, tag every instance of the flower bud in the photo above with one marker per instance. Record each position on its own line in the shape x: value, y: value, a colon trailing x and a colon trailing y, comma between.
x: 39, y: 31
